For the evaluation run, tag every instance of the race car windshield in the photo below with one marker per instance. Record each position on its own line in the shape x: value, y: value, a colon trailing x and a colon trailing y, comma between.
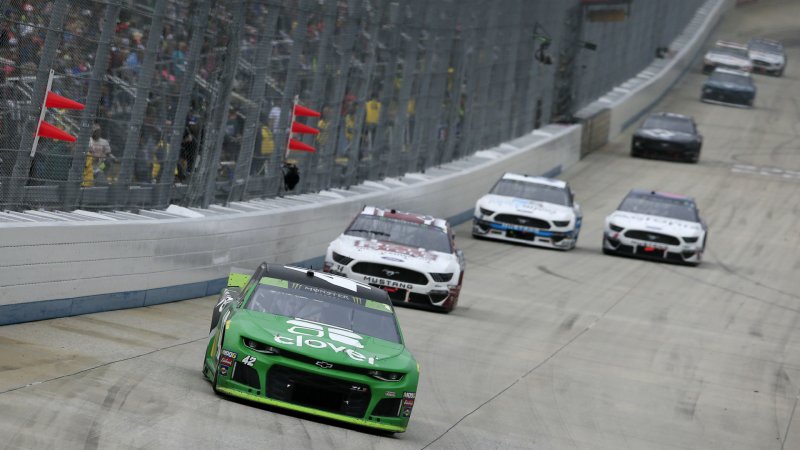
x: 298, y: 301
x: 675, y: 208
x: 400, y: 232
x: 669, y: 123
x: 726, y: 77
x: 532, y: 191
x: 766, y: 47
x: 731, y: 51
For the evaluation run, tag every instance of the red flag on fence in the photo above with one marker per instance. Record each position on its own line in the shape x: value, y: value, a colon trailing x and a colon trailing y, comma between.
x: 305, y: 112
x: 47, y: 130
x: 301, y: 128
x: 297, y: 145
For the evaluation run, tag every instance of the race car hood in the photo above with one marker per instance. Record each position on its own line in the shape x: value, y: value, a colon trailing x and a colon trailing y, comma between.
x: 373, y: 250
x: 772, y: 58
x: 655, y: 223
x: 524, y: 207
x: 319, y: 341
x: 665, y: 135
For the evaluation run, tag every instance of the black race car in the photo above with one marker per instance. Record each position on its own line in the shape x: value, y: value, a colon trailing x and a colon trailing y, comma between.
x: 668, y: 136
x: 731, y: 87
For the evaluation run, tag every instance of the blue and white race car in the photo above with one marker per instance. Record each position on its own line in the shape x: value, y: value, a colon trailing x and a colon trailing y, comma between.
x: 529, y: 210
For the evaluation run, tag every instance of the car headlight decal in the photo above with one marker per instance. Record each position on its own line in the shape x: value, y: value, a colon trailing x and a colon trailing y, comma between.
x: 485, y: 212
x: 561, y: 223
x: 616, y: 228
x: 341, y: 259
x: 260, y: 347
x: 385, y: 376
x: 691, y: 240
x: 441, y: 277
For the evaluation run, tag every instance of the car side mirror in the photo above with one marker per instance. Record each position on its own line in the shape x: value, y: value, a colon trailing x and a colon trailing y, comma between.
x: 228, y: 295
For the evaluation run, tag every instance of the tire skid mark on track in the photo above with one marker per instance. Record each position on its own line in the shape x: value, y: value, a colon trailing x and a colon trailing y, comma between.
x: 734, y: 291
x: 546, y: 360
x: 547, y: 271
x: 105, y: 364
x: 789, y: 423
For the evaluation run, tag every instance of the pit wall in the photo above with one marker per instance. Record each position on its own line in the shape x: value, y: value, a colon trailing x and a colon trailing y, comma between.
x: 63, y: 264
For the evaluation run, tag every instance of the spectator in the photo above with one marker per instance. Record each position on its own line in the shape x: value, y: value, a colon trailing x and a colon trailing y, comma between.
x: 99, y: 151
x: 133, y: 63
x: 372, y: 116
x: 179, y: 59
x: 265, y: 146
x: 274, y: 118
x: 143, y: 165
x: 190, y: 146
x: 322, y: 125
x: 233, y: 136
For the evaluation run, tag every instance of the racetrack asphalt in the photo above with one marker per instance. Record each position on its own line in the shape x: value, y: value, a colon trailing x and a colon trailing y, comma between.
x: 546, y: 350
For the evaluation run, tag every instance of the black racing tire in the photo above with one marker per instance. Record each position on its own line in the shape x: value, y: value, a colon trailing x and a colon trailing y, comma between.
x: 606, y: 251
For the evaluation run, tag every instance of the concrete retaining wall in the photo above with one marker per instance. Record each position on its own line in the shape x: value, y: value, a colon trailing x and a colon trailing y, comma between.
x: 64, y: 267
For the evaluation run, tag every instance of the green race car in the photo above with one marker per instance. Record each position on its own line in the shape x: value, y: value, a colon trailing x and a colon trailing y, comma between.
x: 312, y: 342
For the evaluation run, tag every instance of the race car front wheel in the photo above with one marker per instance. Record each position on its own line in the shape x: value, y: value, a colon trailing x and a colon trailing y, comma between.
x: 606, y: 251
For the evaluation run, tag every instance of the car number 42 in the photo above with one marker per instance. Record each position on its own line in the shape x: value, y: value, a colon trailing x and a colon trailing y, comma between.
x: 249, y: 360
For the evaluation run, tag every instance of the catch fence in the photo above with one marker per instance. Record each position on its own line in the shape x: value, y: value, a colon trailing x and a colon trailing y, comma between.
x: 188, y: 101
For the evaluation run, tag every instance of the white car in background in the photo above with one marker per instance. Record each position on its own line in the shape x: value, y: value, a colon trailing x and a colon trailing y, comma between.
x: 768, y: 56
x: 413, y: 257
x: 529, y: 210
x: 727, y: 55
x: 656, y: 225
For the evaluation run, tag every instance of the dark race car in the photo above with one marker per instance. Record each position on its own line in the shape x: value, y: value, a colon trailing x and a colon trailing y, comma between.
x: 312, y: 342
x: 768, y: 56
x: 668, y: 136
x: 729, y: 87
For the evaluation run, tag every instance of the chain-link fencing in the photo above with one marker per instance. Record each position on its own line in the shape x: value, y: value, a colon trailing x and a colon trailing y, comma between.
x: 188, y: 101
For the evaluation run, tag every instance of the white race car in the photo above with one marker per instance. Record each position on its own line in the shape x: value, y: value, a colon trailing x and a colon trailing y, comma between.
x: 656, y: 225
x: 768, y: 56
x: 412, y: 257
x: 728, y: 55
x: 529, y: 210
